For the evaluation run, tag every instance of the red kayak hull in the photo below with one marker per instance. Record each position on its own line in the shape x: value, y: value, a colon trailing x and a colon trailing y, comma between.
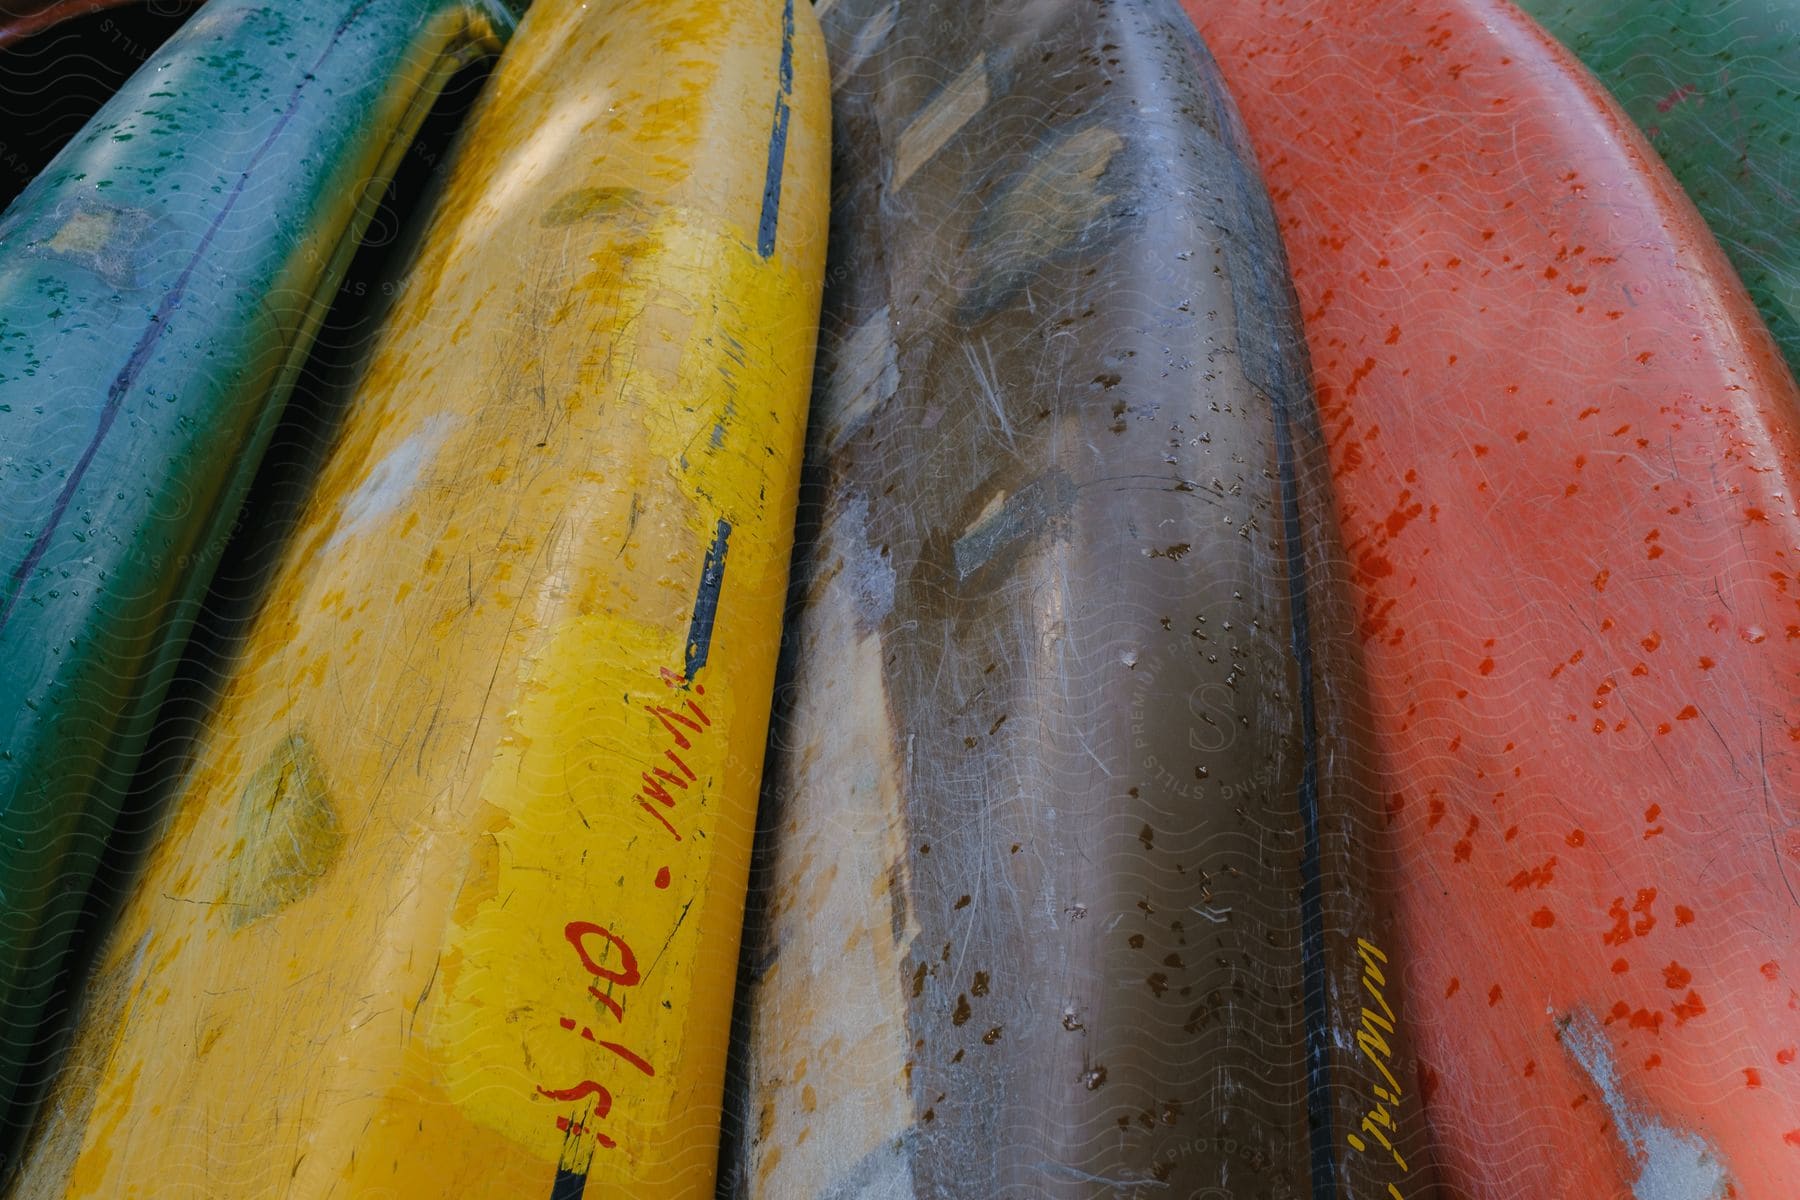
x: 1566, y: 458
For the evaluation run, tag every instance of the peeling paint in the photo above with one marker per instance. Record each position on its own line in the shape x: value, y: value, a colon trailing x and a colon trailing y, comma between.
x: 1671, y: 1164
x: 106, y: 239
x: 865, y: 372
x: 391, y: 480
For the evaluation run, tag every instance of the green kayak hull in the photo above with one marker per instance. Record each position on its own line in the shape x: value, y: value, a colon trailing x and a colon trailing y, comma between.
x: 160, y: 285
x: 1716, y: 86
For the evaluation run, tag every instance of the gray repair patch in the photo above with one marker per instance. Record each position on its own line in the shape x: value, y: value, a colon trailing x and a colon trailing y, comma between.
x: 1033, y: 508
x: 1671, y: 1165
x: 885, y: 1173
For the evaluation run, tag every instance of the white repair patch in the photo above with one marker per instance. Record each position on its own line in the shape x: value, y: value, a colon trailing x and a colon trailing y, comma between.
x: 1671, y: 1165
x: 391, y: 480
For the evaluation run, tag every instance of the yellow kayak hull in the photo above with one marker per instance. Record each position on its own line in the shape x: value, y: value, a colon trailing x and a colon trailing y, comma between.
x: 450, y: 900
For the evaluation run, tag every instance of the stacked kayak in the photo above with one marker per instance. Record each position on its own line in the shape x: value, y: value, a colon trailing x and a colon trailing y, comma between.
x: 159, y: 286
x: 450, y: 901
x: 21, y: 20
x: 1566, y: 458
x: 1071, y: 870
x: 1715, y: 85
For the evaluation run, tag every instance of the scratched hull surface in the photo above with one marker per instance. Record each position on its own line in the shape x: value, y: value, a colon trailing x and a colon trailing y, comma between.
x: 160, y: 284
x: 450, y: 902
x: 1044, y: 911
x: 1715, y: 86
x: 1566, y: 458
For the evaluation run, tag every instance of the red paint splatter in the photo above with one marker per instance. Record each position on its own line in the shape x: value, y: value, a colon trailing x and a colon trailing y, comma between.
x: 1375, y: 566
x: 662, y: 877
x: 1455, y: 984
x: 1752, y: 1077
x: 587, y: 1087
x: 1676, y: 976
x: 1534, y: 877
x: 1620, y: 933
x: 1683, y: 915
x: 1493, y: 995
x: 1691, y: 1006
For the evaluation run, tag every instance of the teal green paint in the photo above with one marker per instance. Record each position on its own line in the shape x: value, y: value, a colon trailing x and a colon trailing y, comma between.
x: 242, y: 161
x: 1716, y: 86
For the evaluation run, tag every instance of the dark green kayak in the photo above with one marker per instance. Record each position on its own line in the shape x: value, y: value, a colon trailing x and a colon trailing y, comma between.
x: 160, y: 284
x: 1716, y: 86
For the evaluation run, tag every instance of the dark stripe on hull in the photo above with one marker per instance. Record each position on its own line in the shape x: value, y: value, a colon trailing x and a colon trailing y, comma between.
x: 706, y: 601
x: 1312, y: 910
x: 771, y: 204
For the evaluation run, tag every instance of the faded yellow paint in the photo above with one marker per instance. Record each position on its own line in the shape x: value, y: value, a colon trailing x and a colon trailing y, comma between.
x: 424, y: 873
x: 829, y: 1066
